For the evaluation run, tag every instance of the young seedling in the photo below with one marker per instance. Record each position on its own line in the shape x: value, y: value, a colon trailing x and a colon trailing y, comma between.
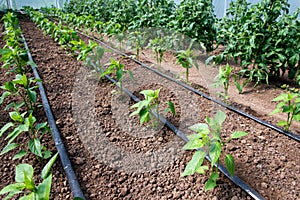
x: 150, y: 104
x: 25, y: 182
x: 83, y: 48
x: 137, y: 41
x: 25, y: 125
x: 117, y: 68
x: 239, y: 86
x: 208, y: 141
x: 23, y: 87
x: 159, y: 48
x: 94, y: 58
x: 288, y: 103
x: 185, y: 58
x: 223, y: 79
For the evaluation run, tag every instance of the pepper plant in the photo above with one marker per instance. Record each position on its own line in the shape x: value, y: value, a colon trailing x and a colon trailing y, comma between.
x: 208, y: 141
x: 117, y: 68
x: 83, y: 48
x: 24, y: 177
x: 23, y: 87
x: 159, y: 47
x: 288, y: 103
x: 222, y: 79
x: 185, y: 58
x: 137, y: 41
x: 23, y: 124
x: 148, y: 105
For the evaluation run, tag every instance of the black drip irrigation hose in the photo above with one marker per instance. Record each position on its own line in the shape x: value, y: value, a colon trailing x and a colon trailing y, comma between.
x: 67, y: 166
x: 231, y: 108
x: 236, y: 180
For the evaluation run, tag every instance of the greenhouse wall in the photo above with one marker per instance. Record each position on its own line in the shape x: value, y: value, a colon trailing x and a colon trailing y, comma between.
x: 220, y: 5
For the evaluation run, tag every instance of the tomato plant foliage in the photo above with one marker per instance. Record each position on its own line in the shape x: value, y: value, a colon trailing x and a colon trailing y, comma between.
x: 262, y: 37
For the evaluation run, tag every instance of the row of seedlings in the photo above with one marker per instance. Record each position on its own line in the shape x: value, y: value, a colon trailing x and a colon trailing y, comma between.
x: 22, y: 93
x: 148, y: 108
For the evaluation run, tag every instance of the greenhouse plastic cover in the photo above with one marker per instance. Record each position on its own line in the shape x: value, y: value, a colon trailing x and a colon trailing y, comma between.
x: 220, y: 5
x: 18, y: 4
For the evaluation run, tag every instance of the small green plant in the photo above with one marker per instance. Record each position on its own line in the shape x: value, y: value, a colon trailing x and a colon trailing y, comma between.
x: 288, y: 103
x: 117, y: 68
x: 223, y: 79
x: 137, y: 41
x: 94, y: 58
x: 150, y: 104
x: 238, y: 85
x: 185, y: 58
x: 25, y: 182
x: 83, y: 48
x: 23, y: 87
x: 25, y: 125
x: 159, y: 48
x: 208, y: 141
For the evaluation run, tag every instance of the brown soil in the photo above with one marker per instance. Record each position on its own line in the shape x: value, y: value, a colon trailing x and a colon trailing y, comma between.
x: 116, y: 158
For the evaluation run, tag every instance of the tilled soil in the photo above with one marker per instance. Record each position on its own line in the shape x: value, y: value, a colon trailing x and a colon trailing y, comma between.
x: 116, y: 158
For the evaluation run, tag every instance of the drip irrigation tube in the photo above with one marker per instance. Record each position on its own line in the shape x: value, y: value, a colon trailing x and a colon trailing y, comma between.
x: 72, y: 179
x: 231, y: 108
x: 236, y: 180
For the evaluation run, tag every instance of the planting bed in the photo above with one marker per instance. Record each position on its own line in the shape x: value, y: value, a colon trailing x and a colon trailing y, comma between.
x: 264, y: 159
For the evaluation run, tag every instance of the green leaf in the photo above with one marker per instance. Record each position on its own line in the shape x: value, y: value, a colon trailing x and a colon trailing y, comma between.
x: 193, y: 144
x: 202, y: 169
x: 215, y: 152
x: 31, y: 95
x: 220, y: 117
x: 5, y: 128
x: 238, y: 134
x: 149, y: 93
x: 41, y: 125
x: 200, y: 128
x: 16, y: 116
x: 194, y: 136
x: 3, y: 96
x: 31, y: 63
x: 16, y: 187
x: 172, y: 107
x: 280, y: 97
x: 30, y: 196
x: 28, y: 180
x: 194, y: 163
x: 144, y: 116
x: 282, y: 123
x: 229, y: 161
x: 48, y: 166
x: 35, y: 147
x: 212, y: 181
x: 119, y: 74
x: 20, y: 154
x: 20, y: 170
x: 13, y: 135
x: 43, y: 190
x: 8, y: 148
x: 47, y: 154
x: 25, y: 80
x: 10, y: 87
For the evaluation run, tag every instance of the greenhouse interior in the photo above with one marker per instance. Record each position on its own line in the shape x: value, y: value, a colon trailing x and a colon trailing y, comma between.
x: 150, y: 99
